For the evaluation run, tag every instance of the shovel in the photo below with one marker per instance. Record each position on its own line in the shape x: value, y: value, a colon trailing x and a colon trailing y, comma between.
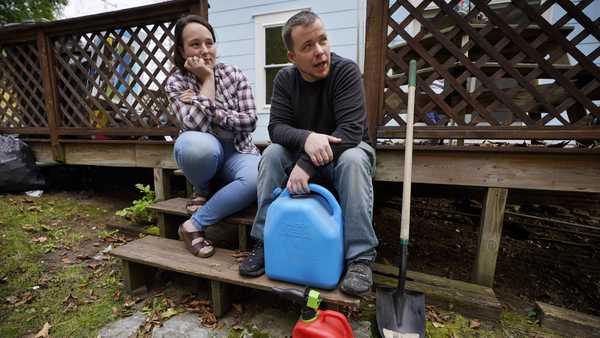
x: 401, y: 313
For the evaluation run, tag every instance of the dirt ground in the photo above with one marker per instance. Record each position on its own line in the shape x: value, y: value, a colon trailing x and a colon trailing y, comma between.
x: 539, y: 260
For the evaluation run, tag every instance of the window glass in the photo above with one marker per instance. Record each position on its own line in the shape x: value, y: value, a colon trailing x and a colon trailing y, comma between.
x: 275, y: 53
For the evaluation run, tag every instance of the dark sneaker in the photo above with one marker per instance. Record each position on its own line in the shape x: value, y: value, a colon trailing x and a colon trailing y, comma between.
x: 254, y: 264
x: 358, y: 279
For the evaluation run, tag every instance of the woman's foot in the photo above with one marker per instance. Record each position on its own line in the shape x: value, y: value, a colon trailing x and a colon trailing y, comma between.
x: 195, y: 241
x: 195, y: 203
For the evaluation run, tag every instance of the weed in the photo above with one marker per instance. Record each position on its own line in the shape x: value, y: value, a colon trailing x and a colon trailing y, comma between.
x: 139, y: 212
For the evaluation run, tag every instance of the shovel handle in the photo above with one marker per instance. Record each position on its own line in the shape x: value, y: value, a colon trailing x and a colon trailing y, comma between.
x: 408, y: 150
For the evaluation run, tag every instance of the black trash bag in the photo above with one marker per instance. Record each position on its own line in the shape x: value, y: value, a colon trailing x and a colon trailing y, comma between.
x: 18, y: 171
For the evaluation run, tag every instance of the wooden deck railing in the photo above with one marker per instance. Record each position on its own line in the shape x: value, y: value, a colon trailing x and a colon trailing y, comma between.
x: 494, y: 70
x: 96, y: 75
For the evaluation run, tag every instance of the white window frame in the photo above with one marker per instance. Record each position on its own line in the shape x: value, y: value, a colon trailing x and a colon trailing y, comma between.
x: 261, y: 23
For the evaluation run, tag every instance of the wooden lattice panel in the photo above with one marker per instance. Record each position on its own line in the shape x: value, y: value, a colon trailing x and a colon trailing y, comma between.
x: 21, y: 96
x: 115, y: 78
x: 493, y: 67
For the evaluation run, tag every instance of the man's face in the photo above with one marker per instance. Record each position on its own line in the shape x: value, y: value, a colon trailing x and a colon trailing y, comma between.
x: 311, y: 52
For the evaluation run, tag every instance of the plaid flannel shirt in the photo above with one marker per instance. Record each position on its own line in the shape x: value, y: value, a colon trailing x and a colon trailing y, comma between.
x: 233, y: 109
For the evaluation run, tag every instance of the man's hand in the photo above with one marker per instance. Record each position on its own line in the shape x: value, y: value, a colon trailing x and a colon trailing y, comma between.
x: 318, y: 149
x: 298, y: 181
x: 198, y: 67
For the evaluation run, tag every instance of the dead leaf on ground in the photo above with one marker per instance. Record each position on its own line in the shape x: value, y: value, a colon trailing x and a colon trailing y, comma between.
x: 208, y: 320
x: 28, y: 227
x: 40, y: 239
x: 21, y: 299
x: 34, y: 208
x: 241, y: 254
x: 67, y: 260
x: 117, y: 295
x: 44, y: 332
x: 474, y: 324
x: 70, y: 303
x: 94, y: 265
x: 437, y: 325
x: 170, y: 312
x: 152, y: 321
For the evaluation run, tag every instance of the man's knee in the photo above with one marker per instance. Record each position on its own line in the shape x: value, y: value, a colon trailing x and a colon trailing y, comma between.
x: 274, y: 155
x: 354, y: 159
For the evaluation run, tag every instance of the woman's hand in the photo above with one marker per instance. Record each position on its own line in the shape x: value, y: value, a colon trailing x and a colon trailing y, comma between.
x: 187, y: 96
x: 199, y: 67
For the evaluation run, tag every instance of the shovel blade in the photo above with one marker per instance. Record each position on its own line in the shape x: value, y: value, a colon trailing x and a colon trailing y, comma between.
x: 400, y: 313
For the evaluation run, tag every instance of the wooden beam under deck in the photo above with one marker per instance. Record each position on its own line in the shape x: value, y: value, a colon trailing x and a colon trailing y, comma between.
x: 576, y: 170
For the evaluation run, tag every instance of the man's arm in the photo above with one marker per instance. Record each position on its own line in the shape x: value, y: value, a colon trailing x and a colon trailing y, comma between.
x: 349, y: 112
x: 349, y: 109
x: 281, y: 121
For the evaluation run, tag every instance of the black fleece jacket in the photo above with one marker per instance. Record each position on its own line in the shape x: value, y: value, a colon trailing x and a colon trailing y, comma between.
x: 334, y: 106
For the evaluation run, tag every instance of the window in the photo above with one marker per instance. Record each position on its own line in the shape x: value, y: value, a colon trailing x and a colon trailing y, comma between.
x: 275, y: 58
x: 271, y: 54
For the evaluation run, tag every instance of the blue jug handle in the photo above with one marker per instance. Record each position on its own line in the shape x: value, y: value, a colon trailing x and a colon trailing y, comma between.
x: 336, y: 210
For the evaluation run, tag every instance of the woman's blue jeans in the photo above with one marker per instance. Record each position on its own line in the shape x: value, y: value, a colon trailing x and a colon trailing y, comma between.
x: 203, y: 157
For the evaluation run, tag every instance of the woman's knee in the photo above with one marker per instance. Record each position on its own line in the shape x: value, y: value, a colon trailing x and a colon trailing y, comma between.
x: 197, y: 146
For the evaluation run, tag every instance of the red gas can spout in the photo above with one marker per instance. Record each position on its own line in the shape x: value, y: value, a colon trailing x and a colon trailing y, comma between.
x: 315, y: 323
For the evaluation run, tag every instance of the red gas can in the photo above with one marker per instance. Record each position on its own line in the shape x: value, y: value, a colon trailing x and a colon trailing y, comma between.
x: 326, y: 324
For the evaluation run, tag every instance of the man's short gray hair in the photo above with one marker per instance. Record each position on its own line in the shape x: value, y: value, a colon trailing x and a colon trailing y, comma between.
x: 303, y: 18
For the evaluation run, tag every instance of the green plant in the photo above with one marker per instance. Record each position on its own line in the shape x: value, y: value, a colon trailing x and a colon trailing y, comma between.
x: 139, y: 212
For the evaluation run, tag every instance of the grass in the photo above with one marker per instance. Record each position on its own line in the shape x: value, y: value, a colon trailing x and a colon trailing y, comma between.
x: 37, y: 286
x: 75, y: 299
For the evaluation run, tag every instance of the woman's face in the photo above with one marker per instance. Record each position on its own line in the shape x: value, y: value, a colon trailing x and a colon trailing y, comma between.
x: 197, y: 41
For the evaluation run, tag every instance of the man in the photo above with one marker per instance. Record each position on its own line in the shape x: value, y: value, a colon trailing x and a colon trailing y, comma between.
x: 318, y: 129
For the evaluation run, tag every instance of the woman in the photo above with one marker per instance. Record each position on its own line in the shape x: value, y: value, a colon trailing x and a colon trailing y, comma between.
x: 215, y: 108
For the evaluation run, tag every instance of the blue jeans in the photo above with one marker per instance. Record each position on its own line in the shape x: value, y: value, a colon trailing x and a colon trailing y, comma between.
x: 351, y: 177
x: 202, y: 156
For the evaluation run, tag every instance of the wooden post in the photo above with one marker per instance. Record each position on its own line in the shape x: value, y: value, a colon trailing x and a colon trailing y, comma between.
x: 168, y: 225
x: 135, y: 275
x: 50, y: 94
x: 220, y: 297
x: 200, y: 8
x: 490, y: 231
x: 162, y: 184
x: 375, y: 48
x: 243, y: 237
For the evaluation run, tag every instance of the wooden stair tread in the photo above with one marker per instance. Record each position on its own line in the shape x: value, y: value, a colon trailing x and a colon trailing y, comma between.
x: 176, y: 206
x: 472, y: 300
x: 568, y: 321
x: 171, y: 255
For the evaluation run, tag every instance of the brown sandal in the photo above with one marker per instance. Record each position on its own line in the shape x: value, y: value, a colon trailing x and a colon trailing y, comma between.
x: 195, y: 203
x: 203, y: 248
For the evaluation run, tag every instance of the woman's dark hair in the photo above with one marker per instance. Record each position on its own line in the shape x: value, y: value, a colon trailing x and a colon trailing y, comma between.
x: 179, y: 26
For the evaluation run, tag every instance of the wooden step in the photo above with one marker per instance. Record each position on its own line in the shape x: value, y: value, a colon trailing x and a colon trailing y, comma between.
x: 140, y: 256
x: 568, y: 322
x: 471, y: 300
x: 171, y: 211
x: 176, y: 206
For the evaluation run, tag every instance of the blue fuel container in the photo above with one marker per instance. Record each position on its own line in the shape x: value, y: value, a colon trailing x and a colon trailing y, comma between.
x: 304, y: 238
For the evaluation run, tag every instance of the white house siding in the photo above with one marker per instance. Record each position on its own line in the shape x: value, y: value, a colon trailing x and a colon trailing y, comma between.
x: 589, y: 44
x: 233, y: 21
